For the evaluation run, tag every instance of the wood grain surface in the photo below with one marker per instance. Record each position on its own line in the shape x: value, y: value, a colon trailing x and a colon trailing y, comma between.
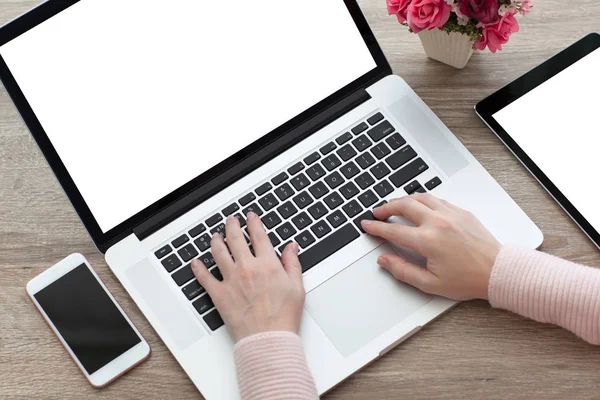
x: 471, y: 352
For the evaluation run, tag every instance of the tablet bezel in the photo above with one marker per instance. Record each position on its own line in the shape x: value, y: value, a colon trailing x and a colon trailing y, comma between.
x: 513, y: 91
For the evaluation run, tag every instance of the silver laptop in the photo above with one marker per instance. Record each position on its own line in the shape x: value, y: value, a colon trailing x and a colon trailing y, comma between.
x: 161, y: 119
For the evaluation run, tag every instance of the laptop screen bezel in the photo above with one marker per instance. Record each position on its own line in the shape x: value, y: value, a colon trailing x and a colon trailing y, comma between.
x: 103, y: 240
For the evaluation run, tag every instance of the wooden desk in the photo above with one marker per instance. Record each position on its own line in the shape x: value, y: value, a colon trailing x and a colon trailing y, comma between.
x: 472, y: 352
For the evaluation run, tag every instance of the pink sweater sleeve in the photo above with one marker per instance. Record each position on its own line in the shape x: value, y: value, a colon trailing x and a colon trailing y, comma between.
x: 271, y: 366
x: 548, y: 289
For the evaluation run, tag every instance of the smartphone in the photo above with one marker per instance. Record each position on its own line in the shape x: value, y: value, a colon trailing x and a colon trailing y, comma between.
x: 98, y: 335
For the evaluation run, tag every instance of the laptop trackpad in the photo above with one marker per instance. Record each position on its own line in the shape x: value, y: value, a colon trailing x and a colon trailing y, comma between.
x: 362, y: 302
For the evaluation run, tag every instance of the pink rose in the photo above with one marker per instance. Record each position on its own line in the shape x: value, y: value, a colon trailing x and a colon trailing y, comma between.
x: 496, y: 34
x: 398, y: 7
x: 427, y: 14
x: 485, y: 11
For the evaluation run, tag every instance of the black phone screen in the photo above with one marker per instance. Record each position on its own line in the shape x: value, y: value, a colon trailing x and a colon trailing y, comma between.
x: 87, y: 318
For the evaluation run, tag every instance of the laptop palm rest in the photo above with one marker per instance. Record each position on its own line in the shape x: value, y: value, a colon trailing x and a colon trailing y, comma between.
x: 362, y: 302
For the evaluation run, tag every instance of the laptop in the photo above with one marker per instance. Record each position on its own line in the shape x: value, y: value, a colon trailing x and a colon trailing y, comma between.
x: 161, y: 119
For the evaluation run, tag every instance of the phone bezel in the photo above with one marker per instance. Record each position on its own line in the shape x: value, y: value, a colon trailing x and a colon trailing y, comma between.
x: 116, y: 367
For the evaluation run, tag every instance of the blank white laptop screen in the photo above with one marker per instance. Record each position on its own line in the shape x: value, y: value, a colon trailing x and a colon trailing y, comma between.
x: 139, y: 97
x: 557, y: 125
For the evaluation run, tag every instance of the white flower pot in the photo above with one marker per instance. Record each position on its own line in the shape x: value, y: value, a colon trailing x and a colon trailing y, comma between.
x: 454, y: 49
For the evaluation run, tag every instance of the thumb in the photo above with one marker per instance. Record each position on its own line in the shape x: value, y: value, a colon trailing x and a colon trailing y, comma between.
x: 290, y: 261
x: 407, y: 272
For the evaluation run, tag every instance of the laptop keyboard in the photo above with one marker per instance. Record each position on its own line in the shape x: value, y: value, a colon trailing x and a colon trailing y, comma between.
x: 317, y: 202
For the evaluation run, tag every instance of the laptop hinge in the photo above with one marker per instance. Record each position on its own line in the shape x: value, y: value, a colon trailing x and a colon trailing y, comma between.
x: 252, y: 162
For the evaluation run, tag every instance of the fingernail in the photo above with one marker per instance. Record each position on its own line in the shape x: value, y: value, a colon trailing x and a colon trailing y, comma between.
x: 366, y: 222
x: 195, y: 264
x: 383, y: 263
x: 251, y: 215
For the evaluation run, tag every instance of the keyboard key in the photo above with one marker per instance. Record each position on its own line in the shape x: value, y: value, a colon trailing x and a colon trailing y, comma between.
x: 294, y: 169
x: 333, y: 201
x: 337, y: 219
x: 411, y: 171
x: 331, y: 162
x: 247, y: 199
x: 240, y: 219
x: 264, y: 188
x: 253, y: 208
x: 203, y: 242
x: 268, y: 202
x: 352, y: 208
x: 188, y: 252
x: 279, y: 179
x: 183, y: 275
x: 368, y: 198
x: 300, y: 182
x: 362, y: 143
x: 271, y: 220
x: 283, y: 246
x: 302, y: 220
x: 412, y: 187
x: 334, y: 180
x: 381, y: 203
x: 180, y: 241
x: 396, y: 141
x: 318, y: 190
x: 219, y: 229
x: 346, y: 152
x: 360, y: 128
x: 432, y: 184
x: 349, y: 190
x: 401, y: 157
x: 230, y: 209
x: 320, y: 229
x: 328, y: 148
x: 328, y: 246
x: 287, y: 210
x: 303, y: 200
x: 286, y: 231
x: 315, y: 172
x: 305, y: 239
x: 216, y: 272
x: 212, y: 221
x: 380, y: 131
x: 318, y: 210
x: 213, y: 320
x: 313, y: 158
x: 368, y: 215
x: 383, y: 188
x: 207, y: 259
x: 421, y: 190
x: 380, y: 151
x: 274, y: 239
x: 203, y: 304
x: 365, y: 180
x: 197, y: 230
x: 350, y: 170
x: 365, y: 160
x: 380, y: 171
x: 163, y: 251
x: 284, y: 192
x: 193, y: 290
x: 171, y: 263
x: 375, y: 119
x: 346, y: 137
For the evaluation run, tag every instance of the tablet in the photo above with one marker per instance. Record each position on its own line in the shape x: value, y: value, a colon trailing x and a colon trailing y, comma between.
x: 550, y: 119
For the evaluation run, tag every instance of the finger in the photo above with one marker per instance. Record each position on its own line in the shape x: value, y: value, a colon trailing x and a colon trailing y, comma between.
x: 221, y: 255
x: 291, y: 263
x: 260, y: 241
x: 407, y: 272
x: 450, y: 205
x: 204, y: 277
x: 403, y: 235
x: 429, y: 200
x: 236, y: 241
x: 406, y: 207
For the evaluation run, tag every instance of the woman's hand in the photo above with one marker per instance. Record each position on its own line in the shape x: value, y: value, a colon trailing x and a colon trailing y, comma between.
x: 258, y: 293
x: 460, y: 252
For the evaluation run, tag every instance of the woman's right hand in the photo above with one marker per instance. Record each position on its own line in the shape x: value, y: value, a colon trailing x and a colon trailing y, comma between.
x: 460, y: 251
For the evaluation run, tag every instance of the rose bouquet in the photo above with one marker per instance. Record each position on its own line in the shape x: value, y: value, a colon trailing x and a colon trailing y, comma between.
x: 488, y: 23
